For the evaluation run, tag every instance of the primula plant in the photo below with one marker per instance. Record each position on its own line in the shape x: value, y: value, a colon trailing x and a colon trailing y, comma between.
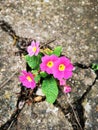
x: 49, y: 70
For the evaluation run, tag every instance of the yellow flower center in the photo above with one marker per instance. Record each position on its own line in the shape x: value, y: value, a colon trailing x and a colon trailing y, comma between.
x: 50, y: 64
x: 29, y: 78
x: 62, y: 67
x: 34, y: 49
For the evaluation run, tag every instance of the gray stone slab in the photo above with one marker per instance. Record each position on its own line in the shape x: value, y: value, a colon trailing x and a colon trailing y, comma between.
x: 74, y: 24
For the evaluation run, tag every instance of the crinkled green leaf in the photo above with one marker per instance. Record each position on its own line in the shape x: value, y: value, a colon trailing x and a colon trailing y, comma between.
x: 33, y: 61
x: 43, y: 74
x: 57, y: 50
x: 50, y: 89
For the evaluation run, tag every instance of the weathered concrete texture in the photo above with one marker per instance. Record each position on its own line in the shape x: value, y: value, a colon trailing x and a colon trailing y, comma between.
x: 91, y: 109
x: 10, y: 67
x: 75, y: 26
x: 74, y: 23
x: 80, y: 81
x: 42, y: 116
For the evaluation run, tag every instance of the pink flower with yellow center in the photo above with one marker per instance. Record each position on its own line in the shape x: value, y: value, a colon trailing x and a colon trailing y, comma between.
x: 33, y: 49
x: 48, y: 63
x: 67, y: 89
x: 27, y: 79
x: 62, y: 68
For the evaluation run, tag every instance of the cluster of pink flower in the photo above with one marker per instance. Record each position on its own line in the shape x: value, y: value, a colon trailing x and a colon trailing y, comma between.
x: 27, y: 79
x: 60, y: 67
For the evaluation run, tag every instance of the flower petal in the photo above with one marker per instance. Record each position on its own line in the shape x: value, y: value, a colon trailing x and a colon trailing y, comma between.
x: 24, y: 80
x: 67, y: 89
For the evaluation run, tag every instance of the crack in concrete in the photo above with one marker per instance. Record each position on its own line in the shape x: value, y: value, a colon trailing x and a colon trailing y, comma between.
x: 76, y: 107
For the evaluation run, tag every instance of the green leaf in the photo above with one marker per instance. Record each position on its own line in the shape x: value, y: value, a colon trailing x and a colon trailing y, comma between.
x: 57, y: 51
x: 94, y: 66
x: 37, y: 78
x: 35, y: 72
x: 50, y: 89
x: 33, y: 61
x: 43, y: 74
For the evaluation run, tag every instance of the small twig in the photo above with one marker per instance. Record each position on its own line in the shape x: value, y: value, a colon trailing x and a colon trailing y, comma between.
x: 3, y: 84
x: 47, y: 43
x: 74, y: 113
x: 10, y: 125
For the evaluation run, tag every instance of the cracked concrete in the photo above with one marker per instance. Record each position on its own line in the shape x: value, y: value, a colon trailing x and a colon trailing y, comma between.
x: 75, y: 26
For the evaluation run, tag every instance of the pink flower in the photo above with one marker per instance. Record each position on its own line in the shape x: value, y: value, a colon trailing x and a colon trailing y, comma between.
x: 62, y: 68
x: 27, y: 79
x: 62, y: 82
x: 48, y: 63
x: 67, y: 89
x: 33, y: 49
